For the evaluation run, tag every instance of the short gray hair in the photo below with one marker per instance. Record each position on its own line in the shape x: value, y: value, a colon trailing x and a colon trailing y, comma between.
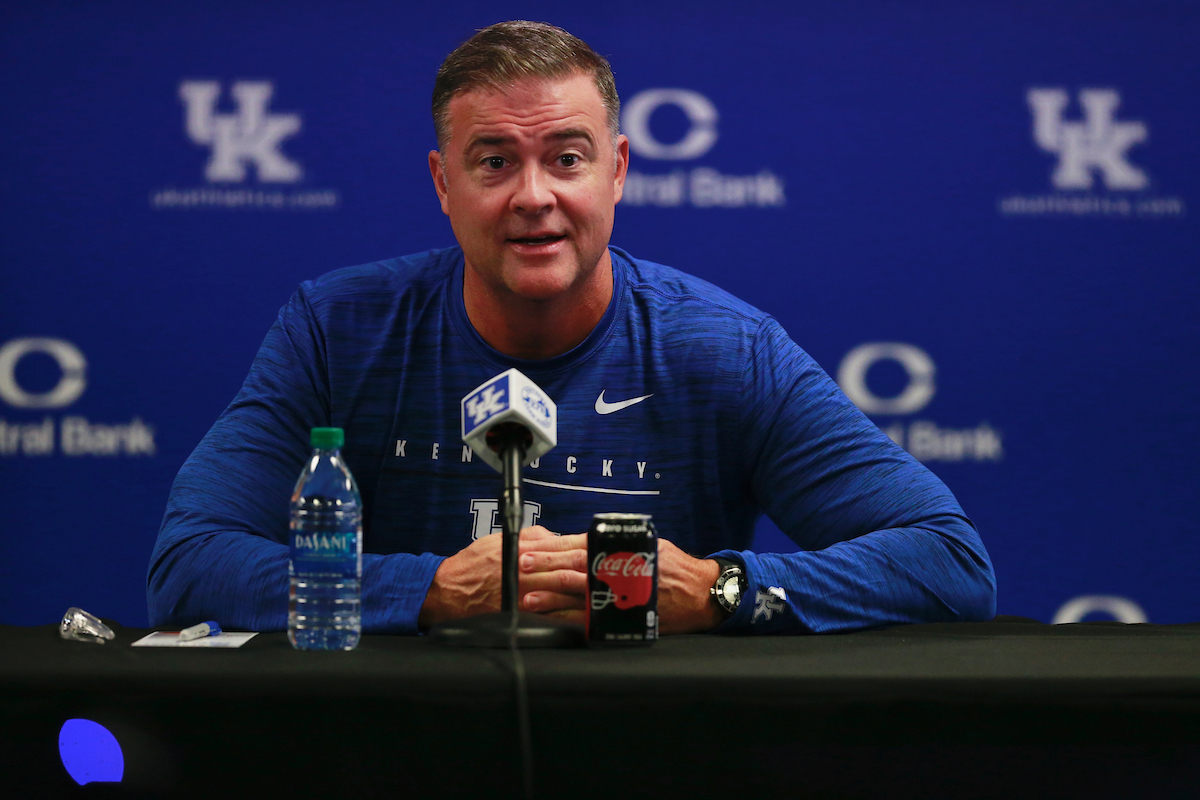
x: 510, y: 51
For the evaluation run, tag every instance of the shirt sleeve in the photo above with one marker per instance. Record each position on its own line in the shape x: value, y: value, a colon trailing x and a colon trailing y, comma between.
x: 222, y: 550
x: 883, y: 539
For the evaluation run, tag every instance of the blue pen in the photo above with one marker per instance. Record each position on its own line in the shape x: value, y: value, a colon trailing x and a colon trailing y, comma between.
x: 209, y: 628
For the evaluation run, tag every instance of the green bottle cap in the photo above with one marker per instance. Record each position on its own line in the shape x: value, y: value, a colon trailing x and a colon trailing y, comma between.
x: 327, y: 438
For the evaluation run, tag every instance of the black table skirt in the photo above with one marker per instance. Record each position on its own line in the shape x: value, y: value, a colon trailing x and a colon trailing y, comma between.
x: 998, y: 709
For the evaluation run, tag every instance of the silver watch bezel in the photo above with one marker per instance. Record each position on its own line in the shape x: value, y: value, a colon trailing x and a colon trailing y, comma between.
x: 736, y: 574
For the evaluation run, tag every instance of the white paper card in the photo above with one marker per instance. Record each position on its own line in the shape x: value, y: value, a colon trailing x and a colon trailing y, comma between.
x: 171, y: 639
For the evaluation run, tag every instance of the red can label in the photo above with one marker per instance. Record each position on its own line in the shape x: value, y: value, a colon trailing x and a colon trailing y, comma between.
x: 629, y: 576
x: 622, y: 579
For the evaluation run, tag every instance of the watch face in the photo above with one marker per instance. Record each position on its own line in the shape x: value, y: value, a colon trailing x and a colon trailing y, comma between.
x: 730, y: 591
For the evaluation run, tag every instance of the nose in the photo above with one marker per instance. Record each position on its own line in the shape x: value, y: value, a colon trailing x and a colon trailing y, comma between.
x: 534, y: 193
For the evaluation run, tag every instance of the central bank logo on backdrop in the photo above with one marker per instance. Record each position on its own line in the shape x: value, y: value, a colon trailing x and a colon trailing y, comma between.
x: 1094, y: 170
x: 925, y: 439
x: 680, y: 183
x: 247, y: 165
x: 41, y: 377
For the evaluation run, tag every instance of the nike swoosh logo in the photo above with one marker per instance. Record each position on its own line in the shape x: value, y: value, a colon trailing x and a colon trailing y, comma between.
x: 608, y: 408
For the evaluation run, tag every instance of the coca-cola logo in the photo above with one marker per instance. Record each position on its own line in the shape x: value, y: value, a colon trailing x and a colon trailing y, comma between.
x: 629, y: 575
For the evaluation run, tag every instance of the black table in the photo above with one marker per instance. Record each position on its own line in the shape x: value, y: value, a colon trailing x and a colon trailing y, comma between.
x: 998, y: 709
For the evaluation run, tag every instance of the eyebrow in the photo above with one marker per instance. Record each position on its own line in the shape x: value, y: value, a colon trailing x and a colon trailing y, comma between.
x: 497, y: 141
x: 573, y: 133
x: 488, y: 141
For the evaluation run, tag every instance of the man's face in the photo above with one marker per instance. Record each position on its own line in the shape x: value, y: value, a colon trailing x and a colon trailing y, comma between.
x: 529, y: 179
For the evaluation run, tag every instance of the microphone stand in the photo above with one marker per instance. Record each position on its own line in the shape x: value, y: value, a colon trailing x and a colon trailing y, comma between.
x: 498, y: 629
x: 512, y: 512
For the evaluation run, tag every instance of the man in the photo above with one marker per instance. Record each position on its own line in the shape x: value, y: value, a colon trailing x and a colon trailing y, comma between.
x: 674, y: 399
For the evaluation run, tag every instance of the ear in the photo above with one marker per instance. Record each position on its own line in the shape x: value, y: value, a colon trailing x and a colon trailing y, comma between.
x: 438, y: 173
x: 622, y: 156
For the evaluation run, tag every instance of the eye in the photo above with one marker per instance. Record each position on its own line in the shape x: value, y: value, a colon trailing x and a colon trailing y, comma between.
x: 568, y: 159
x: 494, y: 162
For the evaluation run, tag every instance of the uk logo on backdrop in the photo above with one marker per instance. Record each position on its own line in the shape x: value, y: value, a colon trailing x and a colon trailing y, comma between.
x: 247, y: 164
x: 681, y: 182
x: 251, y: 137
x: 63, y: 380
x: 925, y: 439
x: 1094, y: 169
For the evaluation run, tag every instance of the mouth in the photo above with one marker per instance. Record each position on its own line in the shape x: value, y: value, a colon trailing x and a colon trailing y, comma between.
x: 535, y: 241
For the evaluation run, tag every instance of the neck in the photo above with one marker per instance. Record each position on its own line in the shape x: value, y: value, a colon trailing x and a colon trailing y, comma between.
x: 537, y: 329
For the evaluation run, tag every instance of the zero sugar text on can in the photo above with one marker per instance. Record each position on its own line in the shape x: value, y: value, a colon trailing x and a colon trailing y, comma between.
x: 622, y: 579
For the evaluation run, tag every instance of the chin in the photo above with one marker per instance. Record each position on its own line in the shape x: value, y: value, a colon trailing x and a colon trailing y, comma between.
x: 543, y: 283
x: 540, y: 291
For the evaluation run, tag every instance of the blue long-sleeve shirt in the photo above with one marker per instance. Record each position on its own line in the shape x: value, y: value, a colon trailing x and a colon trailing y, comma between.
x: 737, y: 420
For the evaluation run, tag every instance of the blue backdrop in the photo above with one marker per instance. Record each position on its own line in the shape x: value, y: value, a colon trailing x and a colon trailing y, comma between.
x: 979, y: 217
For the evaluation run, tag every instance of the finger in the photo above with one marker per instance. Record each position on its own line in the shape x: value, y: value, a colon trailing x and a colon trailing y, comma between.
x: 534, y: 532
x: 567, y: 541
x: 548, y: 560
x: 545, y: 602
x: 563, y: 581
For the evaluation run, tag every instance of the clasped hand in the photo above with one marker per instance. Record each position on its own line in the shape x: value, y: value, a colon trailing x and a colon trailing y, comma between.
x: 553, y: 581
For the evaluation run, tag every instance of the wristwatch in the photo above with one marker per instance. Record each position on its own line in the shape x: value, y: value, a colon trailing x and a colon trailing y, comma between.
x: 730, y: 586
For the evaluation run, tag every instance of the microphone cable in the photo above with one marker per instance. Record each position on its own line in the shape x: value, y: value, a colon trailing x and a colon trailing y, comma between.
x: 522, y: 691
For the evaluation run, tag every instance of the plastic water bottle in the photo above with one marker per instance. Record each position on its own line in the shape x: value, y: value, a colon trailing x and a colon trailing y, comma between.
x: 324, y: 601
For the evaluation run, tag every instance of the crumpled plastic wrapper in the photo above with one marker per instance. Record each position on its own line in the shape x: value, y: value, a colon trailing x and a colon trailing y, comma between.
x: 81, y: 626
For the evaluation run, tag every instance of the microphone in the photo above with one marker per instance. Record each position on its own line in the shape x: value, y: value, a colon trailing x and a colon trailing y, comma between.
x: 510, y: 397
x: 508, y: 421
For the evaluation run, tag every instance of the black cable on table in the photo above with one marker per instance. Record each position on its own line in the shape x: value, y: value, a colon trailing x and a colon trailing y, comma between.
x: 523, y: 727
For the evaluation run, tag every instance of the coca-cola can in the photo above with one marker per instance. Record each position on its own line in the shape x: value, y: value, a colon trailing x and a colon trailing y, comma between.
x: 622, y: 579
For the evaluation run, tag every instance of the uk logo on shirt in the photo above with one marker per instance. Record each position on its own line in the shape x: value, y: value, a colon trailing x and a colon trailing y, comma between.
x: 767, y: 604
